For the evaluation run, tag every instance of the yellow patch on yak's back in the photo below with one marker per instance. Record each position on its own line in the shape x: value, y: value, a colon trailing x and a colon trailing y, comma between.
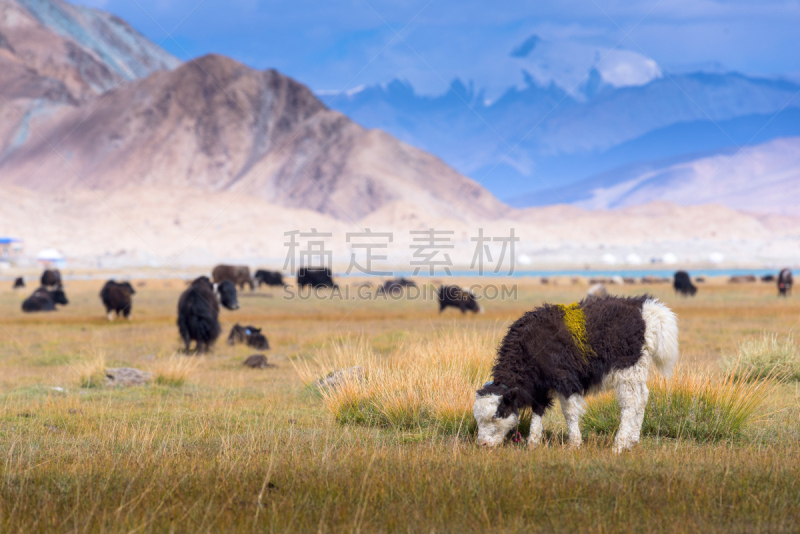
x: 575, y: 321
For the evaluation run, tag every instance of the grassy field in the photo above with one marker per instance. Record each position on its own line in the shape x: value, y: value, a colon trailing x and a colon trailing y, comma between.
x: 236, y: 449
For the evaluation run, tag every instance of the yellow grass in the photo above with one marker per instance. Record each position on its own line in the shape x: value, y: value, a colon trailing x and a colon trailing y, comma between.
x: 174, y: 370
x: 242, y: 450
x: 90, y: 371
x: 425, y: 383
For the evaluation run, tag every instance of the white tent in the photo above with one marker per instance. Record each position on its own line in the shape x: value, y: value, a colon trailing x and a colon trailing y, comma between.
x: 51, y: 256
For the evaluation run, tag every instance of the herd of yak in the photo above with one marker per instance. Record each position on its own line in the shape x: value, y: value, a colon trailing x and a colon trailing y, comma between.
x: 198, y: 305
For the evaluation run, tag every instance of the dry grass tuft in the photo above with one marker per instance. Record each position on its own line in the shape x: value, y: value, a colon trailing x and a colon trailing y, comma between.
x: 767, y: 356
x: 697, y: 405
x: 91, y: 371
x: 174, y: 371
x: 425, y: 384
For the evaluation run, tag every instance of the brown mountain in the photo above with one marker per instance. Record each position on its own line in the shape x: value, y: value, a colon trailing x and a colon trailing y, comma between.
x: 86, y: 50
x: 216, y: 125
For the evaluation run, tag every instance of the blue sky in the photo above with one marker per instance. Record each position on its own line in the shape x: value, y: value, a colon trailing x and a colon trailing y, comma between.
x: 346, y: 44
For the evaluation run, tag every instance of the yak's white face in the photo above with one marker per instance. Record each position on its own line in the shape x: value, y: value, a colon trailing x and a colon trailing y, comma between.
x: 492, y: 429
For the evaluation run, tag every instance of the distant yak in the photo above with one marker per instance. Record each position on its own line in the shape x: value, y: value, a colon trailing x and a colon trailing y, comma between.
x: 19, y: 282
x: 51, y: 278
x: 396, y: 287
x: 238, y: 274
x: 117, y: 298
x: 198, y: 311
x: 785, y: 282
x: 270, y: 278
x: 44, y: 299
x: 315, y: 277
x: 454, y: 296
x: 683, y: 284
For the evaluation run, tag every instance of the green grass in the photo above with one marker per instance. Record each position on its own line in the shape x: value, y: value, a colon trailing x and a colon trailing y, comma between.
x: 700, y: 407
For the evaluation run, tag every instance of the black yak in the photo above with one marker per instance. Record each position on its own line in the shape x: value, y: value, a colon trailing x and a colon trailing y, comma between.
x: 270, y: 278
x: 238, y: 274
x: 250, y: 335
x: 44, y: 300
x: 463, y: 299
x: 51, y: 278
x: 396, y: 287
x: 19, y: 282
x: 683, y: 284
x: 568, y: 351
x: 117, y: 298
x: 785, y: 282
x: 315, y: 277
x: 198, y: 311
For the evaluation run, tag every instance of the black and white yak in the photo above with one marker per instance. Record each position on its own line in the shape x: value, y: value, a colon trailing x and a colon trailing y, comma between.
x: 568, y: 351
x: 785, y: 282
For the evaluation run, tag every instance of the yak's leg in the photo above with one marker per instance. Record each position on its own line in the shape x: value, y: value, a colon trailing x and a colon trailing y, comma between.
x: 632, y: 397
x: 631, y: 387
x: 573, y: 408
x: 110, y: 315
x: 535, y: 437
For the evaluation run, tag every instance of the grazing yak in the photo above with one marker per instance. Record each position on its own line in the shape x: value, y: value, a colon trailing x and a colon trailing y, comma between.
x: 44, y: 299
x: 198, y: 311
x: 785, y: 282
x: 116, y: 298
x: 238, y: 274
x: 463, y: 299
x: 19, y: 283
x: 270, y: 278
x: 51, y: 278
x: 683, y: 284
x: 568, y: 351
x: 315, y: 277
x: 250, y: 335
x: 396, y: 287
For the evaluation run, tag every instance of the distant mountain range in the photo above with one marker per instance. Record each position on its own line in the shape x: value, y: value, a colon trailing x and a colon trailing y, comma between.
x: 531, y: 145
x: 88, y: 103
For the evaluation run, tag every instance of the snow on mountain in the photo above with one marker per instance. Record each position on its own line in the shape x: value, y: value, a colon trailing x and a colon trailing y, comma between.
x: 531, y: 142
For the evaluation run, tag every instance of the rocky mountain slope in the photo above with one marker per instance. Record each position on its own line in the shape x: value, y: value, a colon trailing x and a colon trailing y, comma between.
x: 90, y: 104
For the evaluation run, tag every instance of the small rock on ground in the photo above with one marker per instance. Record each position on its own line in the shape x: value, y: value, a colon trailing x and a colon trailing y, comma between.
x: 257, y: 361
x: 126, y: 376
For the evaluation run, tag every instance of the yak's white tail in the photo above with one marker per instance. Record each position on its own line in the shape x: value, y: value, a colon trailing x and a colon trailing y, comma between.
x: 661, y: 335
